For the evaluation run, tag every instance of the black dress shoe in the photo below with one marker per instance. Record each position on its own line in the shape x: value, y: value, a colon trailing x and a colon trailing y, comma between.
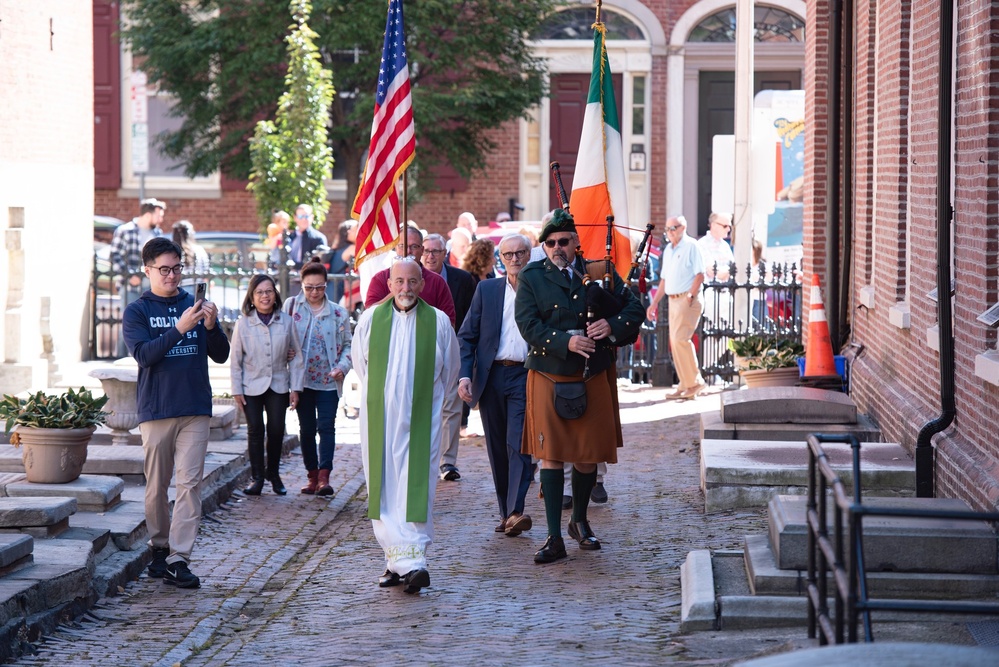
x: 580, y: 531
x: 416, y: 580
x: 553, y: 550
x: 389, y: 579
x: 599, y: 493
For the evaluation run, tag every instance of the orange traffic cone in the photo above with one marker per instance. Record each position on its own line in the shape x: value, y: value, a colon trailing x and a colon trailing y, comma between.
x: 819, y: 359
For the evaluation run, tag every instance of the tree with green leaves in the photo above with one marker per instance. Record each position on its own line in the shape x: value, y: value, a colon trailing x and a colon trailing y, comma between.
x: 291, y: 159
x: 471, y: 66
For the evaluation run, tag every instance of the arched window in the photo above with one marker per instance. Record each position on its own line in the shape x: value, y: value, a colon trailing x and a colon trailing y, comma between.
x: 770, y: 25
x: 576, y: 23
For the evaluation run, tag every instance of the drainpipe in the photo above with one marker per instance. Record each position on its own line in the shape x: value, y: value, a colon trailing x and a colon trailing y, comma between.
x: 833, y: 183
x: 849, y: 60
x: 924, y: 446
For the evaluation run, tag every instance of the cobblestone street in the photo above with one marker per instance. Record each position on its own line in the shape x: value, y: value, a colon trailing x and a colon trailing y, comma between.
x: 292, y: 580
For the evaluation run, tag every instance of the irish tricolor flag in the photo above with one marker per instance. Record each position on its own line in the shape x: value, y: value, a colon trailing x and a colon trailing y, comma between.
x: 598, y: 186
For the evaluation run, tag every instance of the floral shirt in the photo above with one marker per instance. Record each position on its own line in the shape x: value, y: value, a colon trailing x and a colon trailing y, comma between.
x: 317, y: 365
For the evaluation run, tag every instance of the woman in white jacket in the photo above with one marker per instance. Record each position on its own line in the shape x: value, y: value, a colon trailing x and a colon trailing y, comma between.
x: 263, y: 376
x: 323, y: 328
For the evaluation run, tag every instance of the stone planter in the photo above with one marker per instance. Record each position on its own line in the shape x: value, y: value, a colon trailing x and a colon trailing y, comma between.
x: 778, y: 377
x: 53, y: 455
x: 120, y: 385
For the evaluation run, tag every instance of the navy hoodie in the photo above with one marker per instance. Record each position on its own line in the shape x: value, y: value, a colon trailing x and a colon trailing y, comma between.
x: 173, y: 367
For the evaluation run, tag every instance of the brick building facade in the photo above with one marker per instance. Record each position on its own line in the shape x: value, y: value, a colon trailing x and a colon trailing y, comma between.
x: 650, y: 42
x: 892, y: 321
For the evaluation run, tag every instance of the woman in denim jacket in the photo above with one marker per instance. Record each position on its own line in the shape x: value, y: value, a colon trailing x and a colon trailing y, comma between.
x: 323, y: 328
x: 262, y: 377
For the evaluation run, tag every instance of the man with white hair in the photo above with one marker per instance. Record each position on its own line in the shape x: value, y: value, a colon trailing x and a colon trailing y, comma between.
x: 467, y: 221
x: 461, y: 239
x: 406, y: 355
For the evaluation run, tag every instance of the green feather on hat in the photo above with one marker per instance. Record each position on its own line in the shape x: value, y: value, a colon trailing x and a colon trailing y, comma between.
x: 561, y: 222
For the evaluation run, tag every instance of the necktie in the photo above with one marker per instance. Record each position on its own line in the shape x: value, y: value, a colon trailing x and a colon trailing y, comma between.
x: 565, y: 272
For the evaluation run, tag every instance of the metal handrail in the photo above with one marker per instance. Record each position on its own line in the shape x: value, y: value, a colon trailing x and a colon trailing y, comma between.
x: 852, y: 599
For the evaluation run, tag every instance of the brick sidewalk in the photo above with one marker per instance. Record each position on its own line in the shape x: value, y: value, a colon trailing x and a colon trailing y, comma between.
x: 293, y: 580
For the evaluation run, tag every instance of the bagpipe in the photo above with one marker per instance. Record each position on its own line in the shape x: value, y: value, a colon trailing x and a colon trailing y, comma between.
x: 604, y: 299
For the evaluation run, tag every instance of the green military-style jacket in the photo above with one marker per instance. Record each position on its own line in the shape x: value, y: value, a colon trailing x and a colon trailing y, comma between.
x: 547, y: 307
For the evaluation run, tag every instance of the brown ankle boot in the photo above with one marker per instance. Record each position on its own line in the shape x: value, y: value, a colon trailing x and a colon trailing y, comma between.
x: 310, y: 488
x: 324, y: 488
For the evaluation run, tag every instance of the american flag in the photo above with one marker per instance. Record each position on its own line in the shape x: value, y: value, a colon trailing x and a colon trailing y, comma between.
x: 393, y: 144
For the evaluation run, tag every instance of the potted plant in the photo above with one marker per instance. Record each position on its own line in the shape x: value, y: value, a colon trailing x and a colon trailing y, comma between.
x: 53, y: 431
x: 767, y: 360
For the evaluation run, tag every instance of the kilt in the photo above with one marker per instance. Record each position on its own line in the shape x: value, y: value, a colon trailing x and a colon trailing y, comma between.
x: 593, y: 438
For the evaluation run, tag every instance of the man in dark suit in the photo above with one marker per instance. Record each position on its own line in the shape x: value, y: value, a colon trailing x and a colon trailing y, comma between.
x: 493, y: 376
x: 462, y: 287
x: 571, y: 356
x: 303, y: 241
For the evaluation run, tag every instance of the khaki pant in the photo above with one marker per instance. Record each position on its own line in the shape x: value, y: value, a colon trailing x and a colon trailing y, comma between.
x: 683, y: 320
x: 451, y: 427
x: 180, y: 444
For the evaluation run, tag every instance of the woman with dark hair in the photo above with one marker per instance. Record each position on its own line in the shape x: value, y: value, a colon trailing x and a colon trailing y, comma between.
x: 323, y: 328
x: 195, y: 257
x: 262, y: 377
x: 480, y: 259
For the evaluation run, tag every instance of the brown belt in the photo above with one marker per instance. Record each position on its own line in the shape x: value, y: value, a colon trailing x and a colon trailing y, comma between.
x: 679, y: 296
x: 507, y: 362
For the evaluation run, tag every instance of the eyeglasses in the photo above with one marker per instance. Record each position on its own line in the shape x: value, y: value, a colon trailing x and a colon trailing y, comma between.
x: 302, y: 216
x: 516, y: 253
x: 563, y: 242
x: 314, y: 288
x: 167, y: 270
x: 723, y: 225
x: 433, y: 253
x: 414, y: 246
x: 264, y: 292
x: 673, y: 228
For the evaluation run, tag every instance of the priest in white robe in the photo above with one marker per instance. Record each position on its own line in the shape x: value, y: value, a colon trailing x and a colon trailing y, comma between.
x: 406, y: 355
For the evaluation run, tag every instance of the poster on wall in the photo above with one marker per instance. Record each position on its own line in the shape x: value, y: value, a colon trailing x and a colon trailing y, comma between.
x: 779, y: 149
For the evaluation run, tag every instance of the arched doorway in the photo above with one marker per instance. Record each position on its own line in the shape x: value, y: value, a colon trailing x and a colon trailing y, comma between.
x: 702, y: 82
x: 565, y: 40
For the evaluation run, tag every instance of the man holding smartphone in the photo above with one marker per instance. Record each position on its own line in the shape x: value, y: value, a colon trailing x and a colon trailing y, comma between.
x: 171, y: 334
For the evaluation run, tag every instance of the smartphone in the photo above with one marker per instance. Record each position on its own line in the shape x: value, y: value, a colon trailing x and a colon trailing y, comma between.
x: 200, y: 292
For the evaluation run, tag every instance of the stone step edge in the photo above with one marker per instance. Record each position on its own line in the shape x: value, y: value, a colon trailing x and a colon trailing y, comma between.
x: 704, y: 610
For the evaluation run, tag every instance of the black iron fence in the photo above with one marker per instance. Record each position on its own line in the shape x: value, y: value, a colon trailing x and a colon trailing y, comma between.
x: 227, y: 280
x: 765, y: 300
x: 768, y: 300
x: 841, y: 553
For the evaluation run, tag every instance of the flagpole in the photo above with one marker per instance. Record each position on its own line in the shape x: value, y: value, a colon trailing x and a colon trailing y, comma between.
x: 405, y: 207
x: 599, y: 4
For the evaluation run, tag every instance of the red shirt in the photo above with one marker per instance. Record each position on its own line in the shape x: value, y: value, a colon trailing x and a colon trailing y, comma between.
x: 435, y: 291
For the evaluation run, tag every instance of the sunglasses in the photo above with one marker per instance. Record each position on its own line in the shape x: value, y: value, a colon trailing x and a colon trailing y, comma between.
x: 673, y: 228
x: 550, y: 243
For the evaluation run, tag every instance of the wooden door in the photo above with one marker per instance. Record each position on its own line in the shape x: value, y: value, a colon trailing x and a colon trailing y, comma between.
x: 568, y: 106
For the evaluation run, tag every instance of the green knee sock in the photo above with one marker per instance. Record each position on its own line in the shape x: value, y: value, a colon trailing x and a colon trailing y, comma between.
x: 553, y: 486
x: 582, y: 485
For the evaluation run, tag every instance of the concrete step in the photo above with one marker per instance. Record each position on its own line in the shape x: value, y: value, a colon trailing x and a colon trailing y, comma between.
x: 126, y: 523
x: 893, y: 544
x: 39, y: 517
x: 95, y: 493
x: 714, y: 427
x: 15, y: 548
x: 747, y: 473
x: 101, y: 460
x: 60, y: 574
x: 716, y: 595
x: 765, y: 578
x: 787, y: 405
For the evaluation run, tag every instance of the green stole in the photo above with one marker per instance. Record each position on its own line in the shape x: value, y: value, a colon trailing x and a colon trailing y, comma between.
x: 422, y: 415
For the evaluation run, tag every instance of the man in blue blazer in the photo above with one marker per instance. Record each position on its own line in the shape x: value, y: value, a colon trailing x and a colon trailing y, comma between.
x: 493, y: 376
